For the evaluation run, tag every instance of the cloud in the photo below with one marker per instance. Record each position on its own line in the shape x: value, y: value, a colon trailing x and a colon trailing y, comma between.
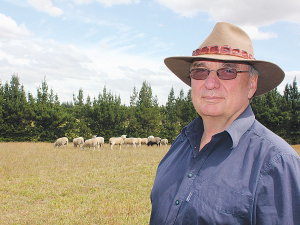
x: 106, y: 2
x: 46, y: 6
x: 255, y: 34
x: 68, y: 68
x: 10, y: 29
x: 288, y: 79
x: 240, y: 12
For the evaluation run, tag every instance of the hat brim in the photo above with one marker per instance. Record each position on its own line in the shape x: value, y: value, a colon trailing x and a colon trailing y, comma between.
x: 270, y: 75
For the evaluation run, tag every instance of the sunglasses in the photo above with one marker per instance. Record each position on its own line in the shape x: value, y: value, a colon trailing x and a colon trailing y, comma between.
x: 223, y: 73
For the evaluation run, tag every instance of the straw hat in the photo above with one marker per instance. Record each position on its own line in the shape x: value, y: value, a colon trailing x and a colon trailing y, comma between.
x: 228, y: 42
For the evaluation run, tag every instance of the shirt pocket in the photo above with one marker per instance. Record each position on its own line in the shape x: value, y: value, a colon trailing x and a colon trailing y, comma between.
x: 211, y: 203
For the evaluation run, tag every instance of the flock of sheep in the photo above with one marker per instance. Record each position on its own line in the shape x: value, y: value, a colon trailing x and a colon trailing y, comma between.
x: 99, y: 142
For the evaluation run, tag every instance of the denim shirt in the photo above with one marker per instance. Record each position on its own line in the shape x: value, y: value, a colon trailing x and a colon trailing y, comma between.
x: 245, y: 175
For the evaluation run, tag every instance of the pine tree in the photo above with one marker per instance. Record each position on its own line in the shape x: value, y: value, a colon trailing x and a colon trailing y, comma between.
x: 171, y: 121
x: 132, y: 123
x: 147, y: 113
x: 16, y: 114
x: 292, y: 96
x: 50, y: 118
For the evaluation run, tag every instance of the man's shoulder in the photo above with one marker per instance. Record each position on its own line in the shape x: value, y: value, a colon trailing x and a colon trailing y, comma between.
x: 270, y: 140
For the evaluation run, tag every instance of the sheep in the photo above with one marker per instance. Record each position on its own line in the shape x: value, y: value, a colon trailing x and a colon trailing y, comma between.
x: 116, y: 141
x: 130, y: 141
x: 61, y: 142
x: 154, y: 141
x: 164, y: 142
x: 144, y: 141
x: 139, y: 142
x: 90, y: 143
x: 78, y: 141
x: 100, y: 142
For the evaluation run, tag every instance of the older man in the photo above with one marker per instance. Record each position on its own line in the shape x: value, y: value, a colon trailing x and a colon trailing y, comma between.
x: 225, y: 167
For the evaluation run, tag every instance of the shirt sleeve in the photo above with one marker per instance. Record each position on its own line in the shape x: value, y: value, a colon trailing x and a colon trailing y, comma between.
x: 278, y: 192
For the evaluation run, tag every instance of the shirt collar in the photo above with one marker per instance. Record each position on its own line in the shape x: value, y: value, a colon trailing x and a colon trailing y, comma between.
x: 240, y: 125
x: 235, y: 130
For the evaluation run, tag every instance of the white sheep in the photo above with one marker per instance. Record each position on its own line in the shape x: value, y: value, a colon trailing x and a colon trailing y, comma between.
x: 100, y: 141
x: 139, y: 142
x: 130, y: 141
x: 90, y: 143
x: 78, y: 141
x: 164, y: 142
x: 116, y: 141
x: 144, y: 141
x: 63, y: 141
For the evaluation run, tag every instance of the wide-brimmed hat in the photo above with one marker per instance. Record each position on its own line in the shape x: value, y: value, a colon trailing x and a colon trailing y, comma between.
x: 229, y: 43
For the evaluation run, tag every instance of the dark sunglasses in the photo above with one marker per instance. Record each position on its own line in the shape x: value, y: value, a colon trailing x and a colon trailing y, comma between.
x: 223, y: 73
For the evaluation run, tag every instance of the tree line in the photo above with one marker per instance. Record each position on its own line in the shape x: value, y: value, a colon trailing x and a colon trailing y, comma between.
x: 44, y: 118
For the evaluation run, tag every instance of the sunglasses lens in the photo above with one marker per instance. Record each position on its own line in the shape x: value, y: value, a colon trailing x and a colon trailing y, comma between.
x: 199, y: 74
x: 227, y: 73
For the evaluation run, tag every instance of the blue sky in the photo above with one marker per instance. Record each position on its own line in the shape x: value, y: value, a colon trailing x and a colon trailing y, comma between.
x: 119, y: 44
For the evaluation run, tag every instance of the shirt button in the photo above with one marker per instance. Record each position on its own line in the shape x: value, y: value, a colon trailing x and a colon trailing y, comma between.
x: 177, y: 202
x: 190, y: 175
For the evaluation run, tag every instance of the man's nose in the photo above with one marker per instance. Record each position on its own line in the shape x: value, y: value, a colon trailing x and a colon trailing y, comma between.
x: 212, y: 81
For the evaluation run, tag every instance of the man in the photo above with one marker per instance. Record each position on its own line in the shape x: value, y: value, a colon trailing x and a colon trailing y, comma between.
x: 225, y: 167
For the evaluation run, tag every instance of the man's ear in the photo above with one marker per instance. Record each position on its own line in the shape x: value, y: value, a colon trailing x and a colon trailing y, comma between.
x: 252, y: 86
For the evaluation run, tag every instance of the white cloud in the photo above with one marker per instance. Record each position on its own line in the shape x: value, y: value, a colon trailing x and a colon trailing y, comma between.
x: 68, y: 68
x: 240, y: 12
x: 255, y: 34
x: 46, y: 6
x: 289, y: 78
x: 107, y: 2
x: 10, y: 29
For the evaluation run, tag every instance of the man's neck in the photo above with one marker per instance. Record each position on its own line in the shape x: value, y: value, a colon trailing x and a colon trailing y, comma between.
x: 214, y: 125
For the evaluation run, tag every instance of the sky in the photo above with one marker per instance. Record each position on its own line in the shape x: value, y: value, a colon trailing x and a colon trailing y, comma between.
x: 119, y: 44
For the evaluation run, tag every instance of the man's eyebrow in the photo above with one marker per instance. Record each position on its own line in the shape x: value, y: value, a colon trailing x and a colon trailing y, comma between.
x: 231, y: 65
x: 225, y: 64
x: 198, y: 64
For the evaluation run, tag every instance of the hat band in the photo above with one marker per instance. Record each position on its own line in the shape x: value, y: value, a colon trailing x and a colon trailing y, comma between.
x: 223, y: 50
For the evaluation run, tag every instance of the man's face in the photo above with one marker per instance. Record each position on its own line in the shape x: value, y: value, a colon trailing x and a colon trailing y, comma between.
x: 222, y: 98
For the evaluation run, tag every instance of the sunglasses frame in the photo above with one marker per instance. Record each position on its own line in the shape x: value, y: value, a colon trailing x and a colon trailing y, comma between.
x: 217, y: 71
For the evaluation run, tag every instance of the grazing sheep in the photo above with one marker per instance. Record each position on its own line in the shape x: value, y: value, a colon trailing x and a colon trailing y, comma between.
x: 61, y: 142
x: 144, y: 141
x: 100, y: 142
x: 116, y: 141
x: 154, y: 141
x: 164, y: 142
x: 78, y: 141
x: 139, y: 142
x: 130, y: 141
x: 90, y: 143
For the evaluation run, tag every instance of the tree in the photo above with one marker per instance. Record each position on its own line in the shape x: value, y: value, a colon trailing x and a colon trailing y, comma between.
x: 147, y: 112
x: 171, y: 122
x: 50, y: 118
x: 292, y: 96
x: 16, y: 114
x: 80, y: 123
x: 132, y: 123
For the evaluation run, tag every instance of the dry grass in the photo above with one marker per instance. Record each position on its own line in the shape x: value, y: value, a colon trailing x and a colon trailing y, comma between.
x: 42, y: 185
x: 297, y: 148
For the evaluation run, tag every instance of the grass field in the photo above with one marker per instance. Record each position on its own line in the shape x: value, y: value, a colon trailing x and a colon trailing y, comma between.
x: 42, y: 185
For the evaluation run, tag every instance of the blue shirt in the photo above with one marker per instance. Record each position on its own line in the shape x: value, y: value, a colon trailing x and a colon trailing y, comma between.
x: 245, y: 175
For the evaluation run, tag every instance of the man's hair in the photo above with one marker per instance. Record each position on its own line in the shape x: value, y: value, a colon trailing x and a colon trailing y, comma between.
x: 252, y: 71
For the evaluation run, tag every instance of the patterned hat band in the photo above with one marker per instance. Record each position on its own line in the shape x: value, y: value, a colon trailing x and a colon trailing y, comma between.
x: 223, y: 50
